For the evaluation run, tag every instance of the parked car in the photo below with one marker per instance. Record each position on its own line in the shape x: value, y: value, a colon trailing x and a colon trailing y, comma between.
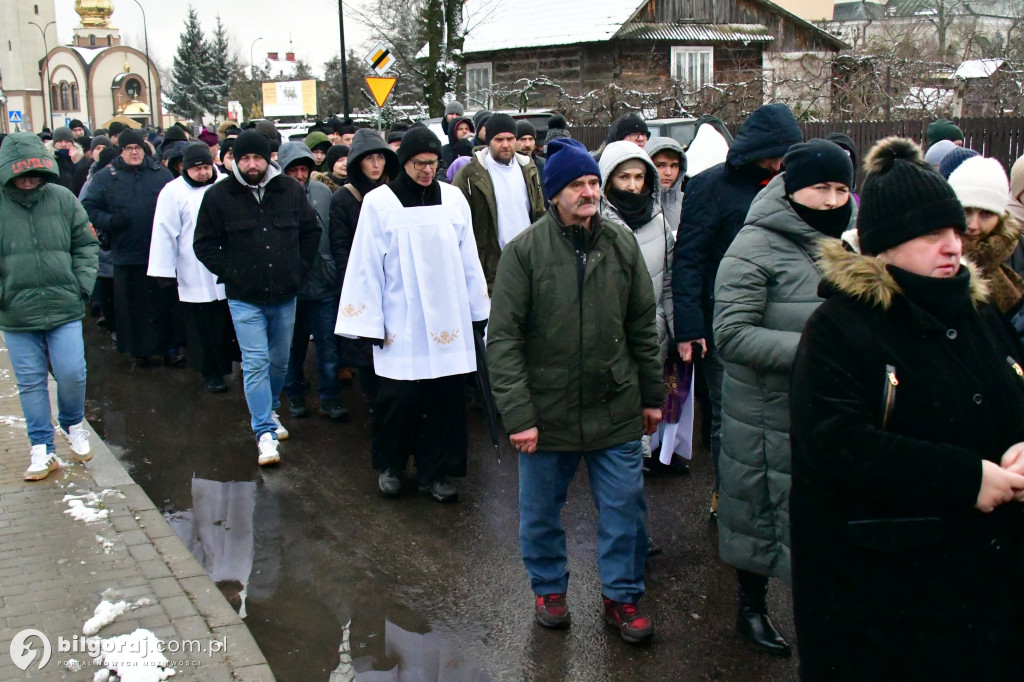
x: 681, y: 130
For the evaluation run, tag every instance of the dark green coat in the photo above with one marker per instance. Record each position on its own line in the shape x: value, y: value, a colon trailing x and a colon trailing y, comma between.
x: 572, y: 343
x: 475, y: 183
x: 48, y: 253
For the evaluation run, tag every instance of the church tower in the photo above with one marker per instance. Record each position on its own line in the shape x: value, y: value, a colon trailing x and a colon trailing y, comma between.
x: 95, y: 29
x: 22, y: 48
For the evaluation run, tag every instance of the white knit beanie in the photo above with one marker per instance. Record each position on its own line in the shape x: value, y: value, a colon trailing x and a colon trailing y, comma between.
x: 980, y: 182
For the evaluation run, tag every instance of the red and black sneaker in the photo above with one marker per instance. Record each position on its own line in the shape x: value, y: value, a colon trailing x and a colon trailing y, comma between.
x: 552, y: 611
x: 632, y: 625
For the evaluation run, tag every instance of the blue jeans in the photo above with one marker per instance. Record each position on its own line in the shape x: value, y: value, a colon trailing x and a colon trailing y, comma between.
x: 264, y: 332
x: 617, y: 484
x: 64, y: 350
x: 318, y: 318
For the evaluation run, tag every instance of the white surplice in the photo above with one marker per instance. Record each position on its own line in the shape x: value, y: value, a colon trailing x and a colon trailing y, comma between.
x: 170, y: 251
x: 414, y: 280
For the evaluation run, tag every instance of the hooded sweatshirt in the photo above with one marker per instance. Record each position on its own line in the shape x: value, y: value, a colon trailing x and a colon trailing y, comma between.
x: 670, y: 198
x: 48, y: 254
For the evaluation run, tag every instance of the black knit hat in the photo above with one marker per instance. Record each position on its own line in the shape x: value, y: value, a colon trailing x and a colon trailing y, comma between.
x: 252, y: 142
x: 116, y: 127
x: 815, y: 161
x: 226, y: 146
x: 130, y: 136
x: 626, y: 125
x: 500, y: 123
x: 418, y: 140
x: 76, y: 123
x: 903, y: 197
x: 524, y: 128
x: 334, y: 154
x: 196, y: 154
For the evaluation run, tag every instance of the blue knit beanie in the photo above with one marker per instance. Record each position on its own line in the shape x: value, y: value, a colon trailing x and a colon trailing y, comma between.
x: 952, y: 160
x: 567, y: 160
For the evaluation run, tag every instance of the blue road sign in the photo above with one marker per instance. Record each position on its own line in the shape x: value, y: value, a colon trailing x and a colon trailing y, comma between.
x: 14, y: 116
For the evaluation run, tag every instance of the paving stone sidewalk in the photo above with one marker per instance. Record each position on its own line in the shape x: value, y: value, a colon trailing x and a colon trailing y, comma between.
x: 55, y: 570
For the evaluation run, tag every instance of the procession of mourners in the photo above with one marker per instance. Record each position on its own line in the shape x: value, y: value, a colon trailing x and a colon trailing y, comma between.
x: 835, y: 332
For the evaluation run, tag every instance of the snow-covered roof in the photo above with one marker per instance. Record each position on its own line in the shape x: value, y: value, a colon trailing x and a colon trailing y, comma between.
x: 88, y: 53
x: 698, y: 33
x: 495, y: 25
x: 978, y: 68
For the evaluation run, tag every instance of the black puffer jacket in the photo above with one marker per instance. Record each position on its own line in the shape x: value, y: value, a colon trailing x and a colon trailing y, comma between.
x: 896, y: 399
x: 121, y: 201
x: 261, y: 250
x: 714, y: 210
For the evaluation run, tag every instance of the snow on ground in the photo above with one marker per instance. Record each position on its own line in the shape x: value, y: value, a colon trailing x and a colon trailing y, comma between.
x: 107, y: 612
x: 133, y: 658
x: 12, y: 420
x: 88, y: 507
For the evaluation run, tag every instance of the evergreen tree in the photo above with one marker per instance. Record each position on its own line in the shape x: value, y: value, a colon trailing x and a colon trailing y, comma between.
x: 220, y: 68
x: 190, y: 93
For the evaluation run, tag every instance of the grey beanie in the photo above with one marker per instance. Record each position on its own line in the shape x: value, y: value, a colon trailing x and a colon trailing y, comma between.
x: 454, y: 107
x: 63, y: 134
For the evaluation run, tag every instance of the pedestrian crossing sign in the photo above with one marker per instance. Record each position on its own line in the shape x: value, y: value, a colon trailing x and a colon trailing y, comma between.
x: 13, y: 116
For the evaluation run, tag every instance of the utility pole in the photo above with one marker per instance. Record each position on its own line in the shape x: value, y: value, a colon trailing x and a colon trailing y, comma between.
x: 155, y: 117
x: 344, y: 59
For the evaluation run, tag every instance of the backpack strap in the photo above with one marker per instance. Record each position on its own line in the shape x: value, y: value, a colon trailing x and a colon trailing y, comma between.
x: 354, y: 192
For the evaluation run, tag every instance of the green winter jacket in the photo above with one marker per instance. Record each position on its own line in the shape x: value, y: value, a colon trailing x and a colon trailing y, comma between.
x: 572, y: 343
x: 48, y: 253
x: 767, y: 287
x: 475, y: 183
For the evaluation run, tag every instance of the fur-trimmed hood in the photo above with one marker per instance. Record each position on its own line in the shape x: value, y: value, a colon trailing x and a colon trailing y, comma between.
x: 865, y: 278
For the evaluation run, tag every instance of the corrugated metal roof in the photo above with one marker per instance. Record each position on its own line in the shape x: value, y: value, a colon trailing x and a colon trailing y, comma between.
x: 698, y: 33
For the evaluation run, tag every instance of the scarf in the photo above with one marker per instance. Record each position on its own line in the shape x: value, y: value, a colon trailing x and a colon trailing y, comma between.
x: 943, y: 297
x: 831, y: 223
x: 635, y: 209
x: 1006, y: 287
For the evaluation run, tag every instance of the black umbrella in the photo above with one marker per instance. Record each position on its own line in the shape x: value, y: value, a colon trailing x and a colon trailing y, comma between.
x: 483, y: 386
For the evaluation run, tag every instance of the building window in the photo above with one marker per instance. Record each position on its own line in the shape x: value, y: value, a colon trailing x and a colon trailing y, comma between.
x: 74, y: 97
x: 133, y: 88
x: 65, y: 97
x: 53, y: 95
x: 478, y: 85
x: 110, y: 41
x: 694, y: 65
x: 36, y: 9
x: 92, y: 40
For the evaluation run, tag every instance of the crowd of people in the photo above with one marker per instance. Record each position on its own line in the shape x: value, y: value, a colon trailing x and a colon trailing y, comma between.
x: 858, y: 357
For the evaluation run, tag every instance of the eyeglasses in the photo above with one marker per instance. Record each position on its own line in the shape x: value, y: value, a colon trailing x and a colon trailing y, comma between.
x: 420, y: 165
x: 635, y: 137
x: 133, y: 149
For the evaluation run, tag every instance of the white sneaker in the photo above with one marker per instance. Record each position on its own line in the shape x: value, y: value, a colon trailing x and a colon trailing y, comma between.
x: 268, y: 450
x: 282, y: 433
x: 78, y: 437
x: 42, y: 464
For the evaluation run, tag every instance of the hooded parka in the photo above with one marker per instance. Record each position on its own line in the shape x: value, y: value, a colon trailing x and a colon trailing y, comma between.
x: 670, y: 198
x: 715, y: 209
x: 48, y: 254
x: 896, y: 574
x: 767, y: 287
x: 654, y: 236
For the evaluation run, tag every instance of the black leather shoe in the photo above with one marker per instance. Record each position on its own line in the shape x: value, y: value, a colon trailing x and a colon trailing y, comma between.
x: 297, y: 406
x: 214, y: 384
x: 334, y: 409
x: 757, y: 628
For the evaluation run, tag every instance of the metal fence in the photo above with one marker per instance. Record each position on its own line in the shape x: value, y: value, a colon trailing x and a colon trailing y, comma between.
x: 999, y: 138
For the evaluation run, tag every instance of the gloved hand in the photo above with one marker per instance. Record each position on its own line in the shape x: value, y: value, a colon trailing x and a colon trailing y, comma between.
x: 120, y: 221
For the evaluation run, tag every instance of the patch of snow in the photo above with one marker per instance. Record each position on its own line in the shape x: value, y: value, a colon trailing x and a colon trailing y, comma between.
x: 104, y: 614
x: 12, y: 420
x: 73, y: 664
x: 133, y: 658
x: 978, y: 68
x: 86, y: 507
x: 487, y: 22
x: 107, y: 545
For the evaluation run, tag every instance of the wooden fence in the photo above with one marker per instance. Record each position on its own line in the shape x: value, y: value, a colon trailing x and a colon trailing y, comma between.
x: 999, y: 138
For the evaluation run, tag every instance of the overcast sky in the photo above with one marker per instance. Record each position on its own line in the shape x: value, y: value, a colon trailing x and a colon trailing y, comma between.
x: 311, y: 25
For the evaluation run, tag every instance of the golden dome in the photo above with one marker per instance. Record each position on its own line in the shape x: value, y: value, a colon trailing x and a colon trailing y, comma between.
x: 95, y: 13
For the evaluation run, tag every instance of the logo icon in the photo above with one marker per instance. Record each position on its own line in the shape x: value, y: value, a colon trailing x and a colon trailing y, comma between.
x: 22, y: 653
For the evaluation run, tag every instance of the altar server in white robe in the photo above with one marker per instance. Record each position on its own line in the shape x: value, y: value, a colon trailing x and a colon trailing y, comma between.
x: 208, y: 329
x: 414, y: 288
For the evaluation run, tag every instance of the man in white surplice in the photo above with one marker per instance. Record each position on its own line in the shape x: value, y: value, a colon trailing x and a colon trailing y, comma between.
x: 414, y: 288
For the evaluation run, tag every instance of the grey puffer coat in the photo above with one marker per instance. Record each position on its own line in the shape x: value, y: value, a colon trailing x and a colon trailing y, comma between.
x: 655, y: 237
x: 767, y: 288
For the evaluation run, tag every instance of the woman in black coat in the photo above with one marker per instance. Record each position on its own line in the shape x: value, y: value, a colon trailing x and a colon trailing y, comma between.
x: 907, y: 420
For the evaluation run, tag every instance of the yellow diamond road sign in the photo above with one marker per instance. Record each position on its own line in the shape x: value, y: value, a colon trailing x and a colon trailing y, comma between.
x: 380, y: 58
x: 381, y: 88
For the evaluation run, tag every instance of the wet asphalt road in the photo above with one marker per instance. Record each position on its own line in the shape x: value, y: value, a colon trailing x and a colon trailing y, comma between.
x: 322, y: 549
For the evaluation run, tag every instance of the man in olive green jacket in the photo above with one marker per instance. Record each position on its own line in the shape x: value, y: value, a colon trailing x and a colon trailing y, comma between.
x: 573, y: 358
x: 503, y: 190
x: 48, y: 262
